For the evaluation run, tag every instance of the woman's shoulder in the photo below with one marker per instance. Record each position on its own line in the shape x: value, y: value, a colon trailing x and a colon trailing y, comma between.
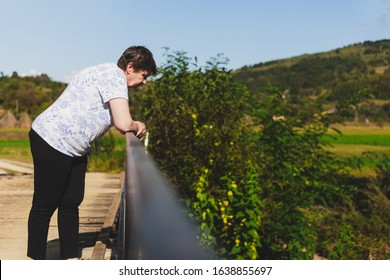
x: 100, y: 71
x: 103, y: 67
x: 107, y: 69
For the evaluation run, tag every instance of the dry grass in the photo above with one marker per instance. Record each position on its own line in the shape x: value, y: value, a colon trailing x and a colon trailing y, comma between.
x: 13, y: 133
x: 358, y: 129
x: 346, y: 150
x: 18, y: 153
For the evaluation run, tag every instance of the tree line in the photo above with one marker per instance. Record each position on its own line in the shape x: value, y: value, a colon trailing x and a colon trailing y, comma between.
x: 28, y: 94
x: 334, y: 76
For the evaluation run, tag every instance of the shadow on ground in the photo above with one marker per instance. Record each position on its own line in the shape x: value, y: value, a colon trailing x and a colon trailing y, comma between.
x: 87, y: 240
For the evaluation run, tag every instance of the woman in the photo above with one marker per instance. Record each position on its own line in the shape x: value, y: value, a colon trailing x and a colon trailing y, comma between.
x: 61, y: 136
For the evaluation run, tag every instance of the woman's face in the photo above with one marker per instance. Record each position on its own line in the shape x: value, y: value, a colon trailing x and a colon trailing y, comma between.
x: 135, y: 78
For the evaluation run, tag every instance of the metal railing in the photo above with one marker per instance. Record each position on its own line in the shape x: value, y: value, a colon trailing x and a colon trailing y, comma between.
x: 152, y: 225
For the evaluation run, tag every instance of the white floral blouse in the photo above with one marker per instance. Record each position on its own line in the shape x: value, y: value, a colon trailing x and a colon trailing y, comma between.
x: 82, y: 113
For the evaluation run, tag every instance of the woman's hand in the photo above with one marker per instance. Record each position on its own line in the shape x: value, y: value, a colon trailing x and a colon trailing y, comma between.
x: 141, y: 130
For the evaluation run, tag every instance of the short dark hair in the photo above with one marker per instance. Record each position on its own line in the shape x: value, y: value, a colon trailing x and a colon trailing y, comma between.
x: 141, y: 57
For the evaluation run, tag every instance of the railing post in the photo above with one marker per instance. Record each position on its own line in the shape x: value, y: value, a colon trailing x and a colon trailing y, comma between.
x: 121, y: 225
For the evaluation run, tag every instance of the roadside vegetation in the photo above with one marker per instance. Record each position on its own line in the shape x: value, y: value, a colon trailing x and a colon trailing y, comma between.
x: 265, y: 173
x: 258, y: 174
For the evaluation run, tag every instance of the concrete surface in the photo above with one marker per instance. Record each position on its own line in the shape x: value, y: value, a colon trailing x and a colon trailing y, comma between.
x: 15, y: 202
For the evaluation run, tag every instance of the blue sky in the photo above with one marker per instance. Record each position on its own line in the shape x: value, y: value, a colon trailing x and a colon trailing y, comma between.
x: 60, y: 37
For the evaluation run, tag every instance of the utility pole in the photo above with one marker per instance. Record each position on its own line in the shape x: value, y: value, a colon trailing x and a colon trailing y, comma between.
x: 17, y: 107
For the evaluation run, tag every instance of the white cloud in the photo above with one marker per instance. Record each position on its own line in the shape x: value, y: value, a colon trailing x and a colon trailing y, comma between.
x: 31, y: 72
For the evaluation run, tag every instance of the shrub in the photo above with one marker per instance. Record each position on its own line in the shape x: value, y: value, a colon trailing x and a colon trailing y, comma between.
x: 104, y: 155
x: 254, y: 172
x: 195, y: 120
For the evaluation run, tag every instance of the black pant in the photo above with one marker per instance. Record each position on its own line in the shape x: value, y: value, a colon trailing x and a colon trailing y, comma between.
x: 58, y: 184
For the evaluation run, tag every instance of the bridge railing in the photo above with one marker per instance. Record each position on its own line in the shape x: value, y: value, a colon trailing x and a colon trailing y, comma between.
x: 152, y: 224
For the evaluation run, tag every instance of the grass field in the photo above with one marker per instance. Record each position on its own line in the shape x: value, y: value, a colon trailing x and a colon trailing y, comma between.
x: 371, y: 140
x: 354, y: 141
x: 360, y: 144
x: 16, y: 150
x: 13, y: 133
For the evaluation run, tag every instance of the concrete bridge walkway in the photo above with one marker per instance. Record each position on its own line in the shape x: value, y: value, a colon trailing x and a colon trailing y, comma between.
x: 15, y: 201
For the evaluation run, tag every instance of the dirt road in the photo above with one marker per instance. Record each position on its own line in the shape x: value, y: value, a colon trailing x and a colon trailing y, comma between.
x: 13, y: 167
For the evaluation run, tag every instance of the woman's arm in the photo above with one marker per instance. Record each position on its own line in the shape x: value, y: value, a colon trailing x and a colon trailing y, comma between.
x: 122, y: 118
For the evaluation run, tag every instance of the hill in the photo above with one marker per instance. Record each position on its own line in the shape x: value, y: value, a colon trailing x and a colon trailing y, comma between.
x: 335, y: 76
x: 28, y: 94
